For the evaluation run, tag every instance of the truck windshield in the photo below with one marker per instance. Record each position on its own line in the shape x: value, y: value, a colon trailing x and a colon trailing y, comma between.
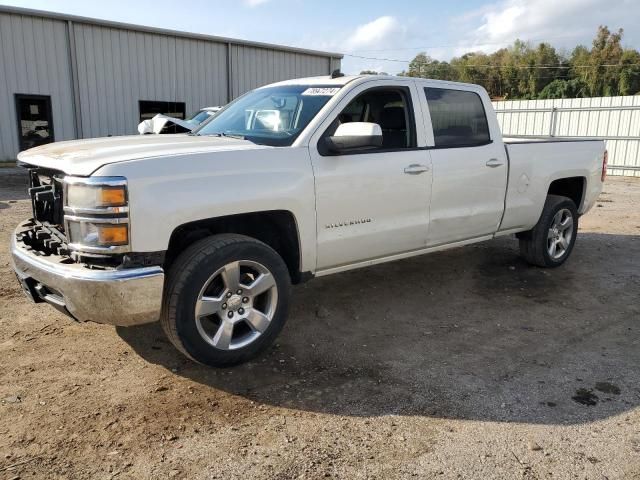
x: 272, y: 116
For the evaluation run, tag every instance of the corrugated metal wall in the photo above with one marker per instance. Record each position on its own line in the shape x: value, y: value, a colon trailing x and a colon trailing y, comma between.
x: 34, y: 59
x: 97, y: 72
x: 118, y: 68
x: 616, y: 119
x: 252, y: 67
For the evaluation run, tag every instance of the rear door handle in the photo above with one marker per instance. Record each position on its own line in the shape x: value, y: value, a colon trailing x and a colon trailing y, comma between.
x: 416, y: 169
x: 494, y: 162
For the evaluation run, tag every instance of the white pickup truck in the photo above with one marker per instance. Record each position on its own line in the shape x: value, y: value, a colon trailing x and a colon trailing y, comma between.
x: 207, y: 231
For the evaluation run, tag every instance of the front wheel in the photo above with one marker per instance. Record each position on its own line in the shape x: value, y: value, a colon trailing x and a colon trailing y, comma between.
x: 551, y: 241
x: 226, y: 299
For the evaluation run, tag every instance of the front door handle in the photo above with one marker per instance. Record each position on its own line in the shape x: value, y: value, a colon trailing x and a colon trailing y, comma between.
x: 494, y: 162
x: 416, y: 169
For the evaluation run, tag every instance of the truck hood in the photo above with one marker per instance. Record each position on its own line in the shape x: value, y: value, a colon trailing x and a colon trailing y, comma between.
x: 83, y: 157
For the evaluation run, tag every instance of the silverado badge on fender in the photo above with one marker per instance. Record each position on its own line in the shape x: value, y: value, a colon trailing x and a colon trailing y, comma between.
x: 348, y: 223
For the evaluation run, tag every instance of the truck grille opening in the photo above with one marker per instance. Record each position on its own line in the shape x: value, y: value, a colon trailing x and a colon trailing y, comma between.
x: 46, y: 191
x: 45, y: 233
x: 44, y: 239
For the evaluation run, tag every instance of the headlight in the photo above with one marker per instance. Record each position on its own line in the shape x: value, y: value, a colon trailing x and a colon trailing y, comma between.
x: 97, y: 214
x: 91, y: 196
x: 84, y: 233
x: 95, y: 192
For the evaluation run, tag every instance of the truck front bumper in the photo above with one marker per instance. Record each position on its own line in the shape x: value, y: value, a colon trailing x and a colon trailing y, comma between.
x: 118, y: 297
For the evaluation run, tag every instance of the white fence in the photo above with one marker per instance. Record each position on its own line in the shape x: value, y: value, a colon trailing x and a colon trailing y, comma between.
x: 613, y: 119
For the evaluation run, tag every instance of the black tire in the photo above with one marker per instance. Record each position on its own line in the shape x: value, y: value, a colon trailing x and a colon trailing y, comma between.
x: 534, y: 243
x: 189, y: 274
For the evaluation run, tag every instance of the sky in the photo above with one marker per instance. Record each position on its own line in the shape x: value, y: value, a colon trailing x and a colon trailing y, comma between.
x: 388, y: 33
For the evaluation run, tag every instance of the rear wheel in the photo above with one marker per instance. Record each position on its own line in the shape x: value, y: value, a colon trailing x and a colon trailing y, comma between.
x: 551, y: 241
x: 226, y: 299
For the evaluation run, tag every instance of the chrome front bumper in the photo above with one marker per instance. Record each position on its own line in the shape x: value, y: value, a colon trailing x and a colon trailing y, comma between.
x: 117, y: 297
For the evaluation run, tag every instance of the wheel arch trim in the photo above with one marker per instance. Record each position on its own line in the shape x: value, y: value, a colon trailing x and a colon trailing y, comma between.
x: 260, y: 225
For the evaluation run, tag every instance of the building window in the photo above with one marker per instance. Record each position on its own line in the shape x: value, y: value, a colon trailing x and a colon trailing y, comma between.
x: 458, y: 118
x: 35, y: 122
x: 149, y: 109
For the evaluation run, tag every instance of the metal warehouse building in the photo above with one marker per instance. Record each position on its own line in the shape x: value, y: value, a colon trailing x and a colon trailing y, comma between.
x: 64, y: 77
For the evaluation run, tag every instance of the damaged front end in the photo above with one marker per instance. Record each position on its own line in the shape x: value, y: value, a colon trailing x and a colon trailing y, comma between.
x: 46, y: 234
x: 77, y: 257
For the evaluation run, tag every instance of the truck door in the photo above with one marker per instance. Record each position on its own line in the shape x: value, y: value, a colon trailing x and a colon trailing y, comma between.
x: 373, y: 203
x: 469, y: 166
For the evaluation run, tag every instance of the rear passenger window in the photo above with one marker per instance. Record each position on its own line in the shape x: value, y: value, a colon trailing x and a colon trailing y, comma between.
x: 458, y: 118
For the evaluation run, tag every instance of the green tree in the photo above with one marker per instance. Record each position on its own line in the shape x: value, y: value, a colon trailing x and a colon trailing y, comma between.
x: 424, y: 66
x: 574, y: 88
x: 599, y: 71
x: 629, y: 83
x: 526, y: 72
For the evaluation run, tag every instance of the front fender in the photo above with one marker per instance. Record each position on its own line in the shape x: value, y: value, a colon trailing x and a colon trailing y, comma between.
x: 166, y: 192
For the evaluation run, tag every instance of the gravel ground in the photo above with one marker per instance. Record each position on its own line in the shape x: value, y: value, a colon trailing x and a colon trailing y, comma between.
x: 461, y: 364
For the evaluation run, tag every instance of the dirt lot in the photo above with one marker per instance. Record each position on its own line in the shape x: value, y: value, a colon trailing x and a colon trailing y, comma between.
x: 462, y: 364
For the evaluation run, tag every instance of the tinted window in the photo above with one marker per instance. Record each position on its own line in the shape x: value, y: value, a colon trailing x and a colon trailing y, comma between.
x: 458, y: 118
x: 389, y: 108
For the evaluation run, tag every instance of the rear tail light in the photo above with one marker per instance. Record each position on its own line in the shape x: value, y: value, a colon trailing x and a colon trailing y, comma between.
x: 605, y: 160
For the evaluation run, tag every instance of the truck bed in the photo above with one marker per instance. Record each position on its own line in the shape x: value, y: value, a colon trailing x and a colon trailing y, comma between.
x: 534, y: 163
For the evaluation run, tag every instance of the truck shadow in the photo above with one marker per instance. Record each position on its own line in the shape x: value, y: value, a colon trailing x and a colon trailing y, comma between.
x: 471, y: 333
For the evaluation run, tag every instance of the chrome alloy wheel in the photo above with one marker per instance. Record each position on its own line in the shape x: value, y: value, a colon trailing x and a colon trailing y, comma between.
x: 560, y: 234
x: 236, y: 305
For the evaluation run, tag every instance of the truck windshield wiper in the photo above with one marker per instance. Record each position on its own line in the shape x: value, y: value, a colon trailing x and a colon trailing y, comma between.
x: 233, y: 135
x: 222, y: 134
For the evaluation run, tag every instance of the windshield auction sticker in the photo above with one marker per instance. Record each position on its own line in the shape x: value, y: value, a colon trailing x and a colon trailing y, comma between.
x: 322, y: 92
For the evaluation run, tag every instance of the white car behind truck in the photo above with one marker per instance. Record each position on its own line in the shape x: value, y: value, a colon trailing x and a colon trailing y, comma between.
x: 207, y: 231
x: 163, y: 124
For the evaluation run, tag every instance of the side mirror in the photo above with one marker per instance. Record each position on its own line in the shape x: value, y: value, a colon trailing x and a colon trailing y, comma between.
x: 355, y: 135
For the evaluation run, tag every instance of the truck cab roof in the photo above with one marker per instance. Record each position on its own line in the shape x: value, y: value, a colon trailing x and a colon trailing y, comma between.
x: 320, y: 80
x: 328, y: 80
